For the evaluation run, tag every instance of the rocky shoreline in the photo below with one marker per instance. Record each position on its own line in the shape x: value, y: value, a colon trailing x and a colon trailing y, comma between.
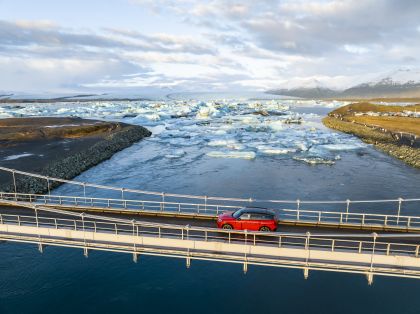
x: 383, y: 141
x: 94, y: 150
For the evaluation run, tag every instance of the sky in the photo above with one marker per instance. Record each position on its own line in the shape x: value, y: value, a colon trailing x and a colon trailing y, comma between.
x: 208, y: 45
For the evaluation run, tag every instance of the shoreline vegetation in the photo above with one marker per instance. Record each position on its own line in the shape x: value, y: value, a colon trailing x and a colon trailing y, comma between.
x: 394, y: 130
x: 59, y: 147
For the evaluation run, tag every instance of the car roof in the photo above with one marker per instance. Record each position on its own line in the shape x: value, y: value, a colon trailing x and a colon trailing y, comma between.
x: 258, y: 210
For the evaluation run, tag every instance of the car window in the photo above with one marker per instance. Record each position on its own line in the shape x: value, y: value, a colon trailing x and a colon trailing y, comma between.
x: 238, y: 213
x: 257, y: 216
x: 261, y: 216
x: 245, y: 216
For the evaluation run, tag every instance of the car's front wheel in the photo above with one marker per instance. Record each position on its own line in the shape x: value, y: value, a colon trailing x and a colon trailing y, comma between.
x: 265, y: 229
x: 227, y: 227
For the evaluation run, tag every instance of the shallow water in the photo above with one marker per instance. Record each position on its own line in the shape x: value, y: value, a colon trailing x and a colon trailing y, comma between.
x: 62, y: 280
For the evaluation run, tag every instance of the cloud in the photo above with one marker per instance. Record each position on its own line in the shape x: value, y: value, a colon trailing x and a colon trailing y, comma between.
x: 219, y: 44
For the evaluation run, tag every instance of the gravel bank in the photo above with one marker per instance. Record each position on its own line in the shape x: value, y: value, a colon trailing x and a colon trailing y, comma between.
x: 69, y: 161
x: 383, y: 141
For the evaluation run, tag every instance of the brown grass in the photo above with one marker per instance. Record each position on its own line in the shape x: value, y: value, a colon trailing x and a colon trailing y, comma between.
x: 366, y: 107
x: 394, y: 124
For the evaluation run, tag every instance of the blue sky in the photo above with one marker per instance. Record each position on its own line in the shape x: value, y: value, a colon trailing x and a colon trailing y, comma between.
x: 137, y: 45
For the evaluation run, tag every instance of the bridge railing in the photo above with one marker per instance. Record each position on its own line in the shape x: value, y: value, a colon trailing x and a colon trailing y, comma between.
x: 50, y: 182
x: 112, y: 203
x: 284, y: 214
x: 335, y: 243
x: 342, y: 218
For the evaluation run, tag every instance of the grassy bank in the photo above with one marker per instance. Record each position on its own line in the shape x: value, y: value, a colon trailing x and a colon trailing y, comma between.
x: 381, y: 131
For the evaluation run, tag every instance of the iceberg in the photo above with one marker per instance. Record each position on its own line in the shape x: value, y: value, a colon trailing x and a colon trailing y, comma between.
x: 267, y: 150
x: 242, y: 155
x: 221, y: 142
x: 178, y: 153
x: 314, y: 160
x: 14, y: 157
x: 343, y: 147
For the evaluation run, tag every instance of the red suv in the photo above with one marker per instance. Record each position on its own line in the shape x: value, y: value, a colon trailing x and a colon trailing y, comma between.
x: 248, y: 218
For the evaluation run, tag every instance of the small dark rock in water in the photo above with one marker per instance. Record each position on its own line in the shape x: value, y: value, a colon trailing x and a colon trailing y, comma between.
x: 130, y: 115
x: 276, y: 113
x: 261, y: 113
x: 294, y: 120
x: 181, y: 115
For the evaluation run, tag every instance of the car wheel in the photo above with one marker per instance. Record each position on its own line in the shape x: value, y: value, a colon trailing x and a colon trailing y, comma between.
x: 265, y: 228
x: 227, y: 227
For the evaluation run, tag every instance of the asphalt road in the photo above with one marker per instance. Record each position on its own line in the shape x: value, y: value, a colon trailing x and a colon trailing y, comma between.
x: 210, y: 223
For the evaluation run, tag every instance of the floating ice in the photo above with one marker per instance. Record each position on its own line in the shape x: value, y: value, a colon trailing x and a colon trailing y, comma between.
x: 178, y: 153
x: 221, y: 142
x: 157, y: 130
x: 342, y: 147
x: 226, y: 124
x: 267, y: 150
x: 276, y: 125
x: 206, y: 112
x: 314, y: 160
x: 13, y: 157
x: 242, y: 155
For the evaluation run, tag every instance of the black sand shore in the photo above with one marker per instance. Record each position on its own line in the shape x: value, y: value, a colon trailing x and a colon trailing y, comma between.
x: 59, y: 147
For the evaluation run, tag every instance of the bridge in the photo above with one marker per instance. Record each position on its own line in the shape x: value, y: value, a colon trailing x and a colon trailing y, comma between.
x: 183, y: 226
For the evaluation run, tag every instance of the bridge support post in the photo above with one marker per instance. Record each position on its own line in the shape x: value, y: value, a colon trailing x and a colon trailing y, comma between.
x: 85, y: 252
x: 14, y: 185
x: 298, y: 210
x: 188, y: 262
x: 370, y: 274
x: 306, y: 273
x: 399, y: 209
x: 369, y: 278
x: 48, y: 187
x: 40, y: 247
x: 134, y: 257
x: 347, y: 209
x: 245, y: 267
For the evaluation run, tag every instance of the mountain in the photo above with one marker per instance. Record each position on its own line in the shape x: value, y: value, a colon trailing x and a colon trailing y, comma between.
x: 403, y: 82
x: 306, y: 92
x: 305, y: 88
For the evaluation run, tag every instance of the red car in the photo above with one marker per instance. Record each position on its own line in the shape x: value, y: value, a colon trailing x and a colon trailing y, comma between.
x: 248, y: 218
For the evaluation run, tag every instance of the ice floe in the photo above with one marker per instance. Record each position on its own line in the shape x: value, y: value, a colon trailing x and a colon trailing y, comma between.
x: 13, y: 157
x: 175, y: 154
x: 232, y: 154
x: 223, y: 128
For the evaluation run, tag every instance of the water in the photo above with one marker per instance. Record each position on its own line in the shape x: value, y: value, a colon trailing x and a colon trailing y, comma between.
x: 63, y: 280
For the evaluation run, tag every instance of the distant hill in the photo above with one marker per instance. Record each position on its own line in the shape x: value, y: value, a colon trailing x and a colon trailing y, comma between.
x: 314, y: 92
x: 403, y: 82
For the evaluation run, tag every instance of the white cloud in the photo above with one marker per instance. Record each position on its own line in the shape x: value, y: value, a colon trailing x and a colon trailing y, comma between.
x: 219, y: 44
x: 356, y: 49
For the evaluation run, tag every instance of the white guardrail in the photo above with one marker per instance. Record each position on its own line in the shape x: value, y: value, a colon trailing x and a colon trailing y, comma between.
x: 50, y: 180
x: 359, y: 244
x: 287, y: 215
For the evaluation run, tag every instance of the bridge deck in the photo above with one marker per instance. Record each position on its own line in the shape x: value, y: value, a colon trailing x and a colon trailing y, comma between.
x: 196, y: 214
x: 375, y: 255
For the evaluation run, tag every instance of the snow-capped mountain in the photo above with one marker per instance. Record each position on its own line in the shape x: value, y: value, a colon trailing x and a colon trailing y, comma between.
x: 400, y: 76
x: 403, y: 82
x: 305, y: 88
